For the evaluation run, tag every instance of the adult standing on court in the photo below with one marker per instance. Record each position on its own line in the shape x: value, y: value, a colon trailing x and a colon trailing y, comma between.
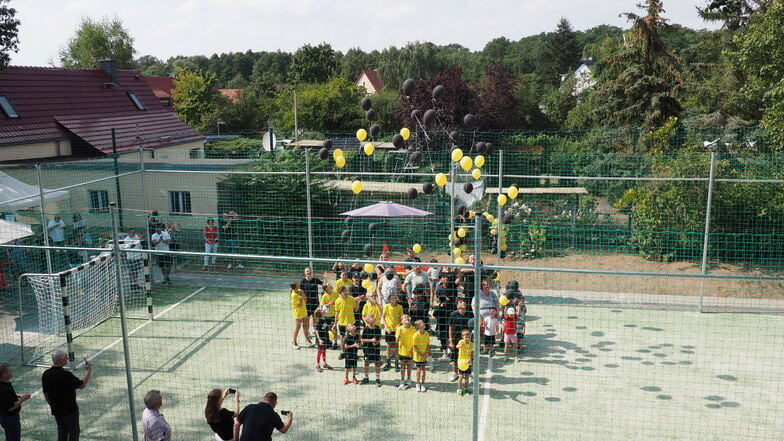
x: 485, y: 301
x: 310, y: 286
x: 59, y: 387
x: 229, y: 235
x: 458, y: 320
x: 10, y: 405
x: 160, y: 241
x: 135, y: 260
x: 260, y: 419
x: 210, y: 242
x: 220, y: 419
x: 153, y: 423
x: 388, y: 285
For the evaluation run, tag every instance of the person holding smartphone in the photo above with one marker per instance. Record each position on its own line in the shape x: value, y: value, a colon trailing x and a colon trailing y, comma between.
x: 220, y: 419
x: 59, y: 387
x: 259, y: 420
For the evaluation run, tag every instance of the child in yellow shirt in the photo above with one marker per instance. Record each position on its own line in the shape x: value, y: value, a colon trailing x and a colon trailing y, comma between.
x: 421, y: 353
x: 465, y: 353
x: 404, y: 335
x: 300, y: 313
x: 392, y: 313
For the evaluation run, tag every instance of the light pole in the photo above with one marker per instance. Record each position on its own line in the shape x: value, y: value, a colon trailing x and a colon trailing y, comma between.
x: 706, y: 236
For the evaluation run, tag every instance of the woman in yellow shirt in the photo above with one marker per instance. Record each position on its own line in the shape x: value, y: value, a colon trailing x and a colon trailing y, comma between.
x: 300, y: 313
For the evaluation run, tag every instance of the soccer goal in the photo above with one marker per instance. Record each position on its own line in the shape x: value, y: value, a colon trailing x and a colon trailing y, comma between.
x: 74, y: 301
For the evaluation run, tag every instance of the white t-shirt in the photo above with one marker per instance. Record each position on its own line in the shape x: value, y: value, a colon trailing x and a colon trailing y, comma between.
x: 388, y: 287
x: 133, y: 242
x: 413, y: 279
x: 433, y: 273
x: 160, y: 238
x: 491, y: 325
x: 57, y: 230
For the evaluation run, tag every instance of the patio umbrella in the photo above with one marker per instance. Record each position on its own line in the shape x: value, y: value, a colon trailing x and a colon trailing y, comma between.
x: 11, y: 231
x: 386, y: 209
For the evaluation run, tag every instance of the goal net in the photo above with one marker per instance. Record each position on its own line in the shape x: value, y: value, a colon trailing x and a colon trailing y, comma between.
x: 77, y: 300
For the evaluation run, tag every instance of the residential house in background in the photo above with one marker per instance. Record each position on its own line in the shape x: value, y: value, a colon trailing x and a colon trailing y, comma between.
x: 370, y: 80
x: 162, y: 87
x: 583, y: 77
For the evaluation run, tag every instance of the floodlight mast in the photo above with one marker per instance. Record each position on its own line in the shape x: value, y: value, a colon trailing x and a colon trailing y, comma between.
x: 712, y: 145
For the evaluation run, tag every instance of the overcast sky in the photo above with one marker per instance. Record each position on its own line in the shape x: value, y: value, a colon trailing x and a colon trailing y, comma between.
x: 165, y: 28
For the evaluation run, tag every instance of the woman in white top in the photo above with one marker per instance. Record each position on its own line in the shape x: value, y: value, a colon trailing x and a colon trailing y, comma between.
x: 388, y: 284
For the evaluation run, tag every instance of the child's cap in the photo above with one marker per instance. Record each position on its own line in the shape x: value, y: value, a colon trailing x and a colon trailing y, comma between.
x: 510, y: 311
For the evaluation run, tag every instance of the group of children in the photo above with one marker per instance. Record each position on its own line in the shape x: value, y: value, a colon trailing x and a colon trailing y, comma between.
x: 336, y: 325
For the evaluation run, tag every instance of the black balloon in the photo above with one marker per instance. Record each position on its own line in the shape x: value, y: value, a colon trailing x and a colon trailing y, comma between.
x: 461, y: 209
x: 375, y: 129
x: 469, y: 120
x: 415, y: 157
x: 408, y: 87
x: 430, y: 117
x: 454, y: 136
x: 368, y: 249
x: 468, y: 187
x: 508, y: 218
x: 427, y: 188
x: 438, y: 91
x: 412, y: 193
x: 323, y: 153
x: 398, y: 140
x: 416, y: 114
x: 480, y: 147
x: 488, y: 148
x: 327, y: 144
x: 346, y: 235
x: 366, y: 104
x: 372, y: 228
x: 370, y: 115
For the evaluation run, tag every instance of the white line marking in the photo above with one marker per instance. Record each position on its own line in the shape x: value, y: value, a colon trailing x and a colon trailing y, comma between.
x: 119, y: 340
x: 485, y: 401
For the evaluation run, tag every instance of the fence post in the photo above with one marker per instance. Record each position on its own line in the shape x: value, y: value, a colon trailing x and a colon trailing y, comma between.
x: 310, y: 215
x: 477, y: 336
x: 21, y: 317
x: 706, y: 235
x: 121, y: 292
x: 45, y: 231
x: 116, y: 178
x: 500, y: 216
x: 452, y: 166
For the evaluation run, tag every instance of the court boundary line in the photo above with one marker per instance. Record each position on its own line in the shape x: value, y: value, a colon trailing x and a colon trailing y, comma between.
x: 485, y: 400
x: 133, y: 331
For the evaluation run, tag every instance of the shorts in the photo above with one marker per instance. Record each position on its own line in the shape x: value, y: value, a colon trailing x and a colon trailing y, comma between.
x: 464, y: 372
x: 311, y: 307
x: 405, y: 358
x: 350, y: 360
x: 389, y: 337
x: 488, y: 339
x: 420, y: 363
x: 341, y: 330
x: 510, y: 338
x: 164, y: 261
x: 372, y: 355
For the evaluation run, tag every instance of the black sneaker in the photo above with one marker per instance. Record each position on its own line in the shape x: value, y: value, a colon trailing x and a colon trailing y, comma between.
x: 364, y: 381
x: 378, y: 382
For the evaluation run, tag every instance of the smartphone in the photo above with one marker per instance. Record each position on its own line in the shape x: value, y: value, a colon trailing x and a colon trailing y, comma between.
x: 284, y: 412
x: 232, y: 391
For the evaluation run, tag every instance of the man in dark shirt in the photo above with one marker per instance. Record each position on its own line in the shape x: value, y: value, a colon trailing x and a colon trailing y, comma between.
x: 310, y: 286
x: 10, y: 405
x: 59, y: 387
x: 460, y: 319
x: 260, y: 419
x: 445, y: 305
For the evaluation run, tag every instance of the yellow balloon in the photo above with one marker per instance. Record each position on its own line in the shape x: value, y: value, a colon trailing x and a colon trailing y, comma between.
x: 459, y: 261
x: 457, y: 155
x: 369, y: 149
x: 471, y: 214
x: 501, y: 200
x: 337, y: 153
x: 368, y: 268
x: 503, y: 300
x: 493, y: 231
x: 356, y: 187
x: 466, y: 163
x: 479, y: 160
x: 405, y: 133
x: 417, y: 248
x: 367, y: 283
x: 340, y: 161
x: 457, y: 252
x: 463, y: 248
x: 513, y: 191
x: 361, y: 134
x: 461, y: 232
x: 440, y: 179
x: 476, y: 174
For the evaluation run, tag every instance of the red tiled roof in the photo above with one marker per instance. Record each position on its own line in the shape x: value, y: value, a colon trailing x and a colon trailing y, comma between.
x: 372, y: 76
x: 231, y: 94
x: 57, y: 103
x: 161, y: 86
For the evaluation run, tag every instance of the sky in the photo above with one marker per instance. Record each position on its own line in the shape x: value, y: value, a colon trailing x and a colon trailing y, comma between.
x: 166, y: 28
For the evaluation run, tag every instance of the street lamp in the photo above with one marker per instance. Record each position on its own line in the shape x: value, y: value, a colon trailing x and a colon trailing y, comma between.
x: 219, y: 123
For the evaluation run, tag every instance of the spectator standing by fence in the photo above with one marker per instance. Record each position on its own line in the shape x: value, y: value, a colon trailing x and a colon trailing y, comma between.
x: 59, y: 387
x: 229, y: 236
x: 10, y: 405
x: 153, y: 423
x: 210, y: 235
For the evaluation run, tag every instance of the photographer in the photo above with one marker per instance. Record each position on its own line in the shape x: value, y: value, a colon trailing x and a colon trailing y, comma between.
x: 220, y: 419
x: 259, y: 420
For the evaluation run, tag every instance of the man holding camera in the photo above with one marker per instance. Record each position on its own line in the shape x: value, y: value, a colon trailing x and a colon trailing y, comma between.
x: 59, y: 387
x: 260, y: 419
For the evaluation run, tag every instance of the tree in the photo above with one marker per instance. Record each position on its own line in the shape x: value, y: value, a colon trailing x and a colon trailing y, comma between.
x: 151, y: 66
x: 563, y: 48
x: 97, y: 40
x: 249, y: 111
x: 734, y: 14
x: 496, y: 106
x: 355, y: 60
x: 312, y: 64
x: 414, y: 60
x: 9, y: 33
x: 328, y: 107
x: 761, y: 58
x: 458, y: 99
x: 194, y: 95
x: 643, y: 92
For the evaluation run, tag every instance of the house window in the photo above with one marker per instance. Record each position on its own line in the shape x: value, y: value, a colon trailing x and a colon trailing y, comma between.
x: 8, y: 109
x: 179, y: 202
x: 99, y: 200
x: 136, y: 101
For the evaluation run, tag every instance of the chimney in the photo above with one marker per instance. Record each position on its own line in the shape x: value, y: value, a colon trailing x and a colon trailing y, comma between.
x: 110, y: 67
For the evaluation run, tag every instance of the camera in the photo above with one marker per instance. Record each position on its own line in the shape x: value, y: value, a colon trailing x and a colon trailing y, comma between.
x: 284, y: 412
x: 232, y: 391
